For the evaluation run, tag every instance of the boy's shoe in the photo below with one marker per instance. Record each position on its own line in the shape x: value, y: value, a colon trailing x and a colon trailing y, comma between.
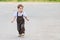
x: 22, y: 34
x: 19, y: 35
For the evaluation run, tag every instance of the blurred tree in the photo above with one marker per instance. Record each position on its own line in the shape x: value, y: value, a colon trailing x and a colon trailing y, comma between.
x: 19, y: 0
x: 52, y: 0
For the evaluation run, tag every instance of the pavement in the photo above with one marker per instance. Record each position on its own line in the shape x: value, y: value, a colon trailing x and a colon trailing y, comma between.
x: 44, y: 21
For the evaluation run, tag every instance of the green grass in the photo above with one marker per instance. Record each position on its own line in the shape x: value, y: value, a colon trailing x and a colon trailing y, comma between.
x: 54, y: 0
x: 30, y: 0
x: 38, y: 0
x: 8, y: 0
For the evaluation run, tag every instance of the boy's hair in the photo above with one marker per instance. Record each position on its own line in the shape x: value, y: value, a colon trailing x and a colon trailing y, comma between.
x: 20, y: 5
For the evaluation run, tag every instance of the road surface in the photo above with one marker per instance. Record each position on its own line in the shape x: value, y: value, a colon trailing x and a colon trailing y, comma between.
x: 44, y: 21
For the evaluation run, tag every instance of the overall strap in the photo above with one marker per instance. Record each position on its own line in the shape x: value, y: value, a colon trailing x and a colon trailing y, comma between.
x: 17, y: 14
x: 22, y: 15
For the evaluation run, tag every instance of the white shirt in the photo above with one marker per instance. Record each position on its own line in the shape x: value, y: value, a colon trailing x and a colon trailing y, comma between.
x: 20, y: 14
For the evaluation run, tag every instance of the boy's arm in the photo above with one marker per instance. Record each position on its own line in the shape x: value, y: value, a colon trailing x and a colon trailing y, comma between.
x: 26, y: 18
x: 13, y: 19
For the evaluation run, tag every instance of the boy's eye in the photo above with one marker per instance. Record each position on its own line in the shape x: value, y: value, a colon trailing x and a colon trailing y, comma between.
x: 20, y: 8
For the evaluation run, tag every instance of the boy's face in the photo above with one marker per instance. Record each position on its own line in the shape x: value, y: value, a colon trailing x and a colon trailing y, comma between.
x: 20, y: 9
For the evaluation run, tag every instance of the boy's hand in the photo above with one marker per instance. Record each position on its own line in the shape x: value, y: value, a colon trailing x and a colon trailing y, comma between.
x: 12, y: 21
x: 27, y: 19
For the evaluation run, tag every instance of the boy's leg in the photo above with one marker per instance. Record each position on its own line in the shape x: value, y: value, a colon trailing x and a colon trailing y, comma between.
x: 19, y: 28
x: 22, y: 29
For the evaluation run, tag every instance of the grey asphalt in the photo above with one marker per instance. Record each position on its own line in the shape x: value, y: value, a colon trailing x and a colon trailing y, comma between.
x: 44, y: 21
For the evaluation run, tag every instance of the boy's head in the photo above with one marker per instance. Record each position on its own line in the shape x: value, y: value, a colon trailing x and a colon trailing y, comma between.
x: 20, y: 7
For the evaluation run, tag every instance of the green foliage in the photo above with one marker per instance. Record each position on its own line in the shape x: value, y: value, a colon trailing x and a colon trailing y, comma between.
x: 30, y: 0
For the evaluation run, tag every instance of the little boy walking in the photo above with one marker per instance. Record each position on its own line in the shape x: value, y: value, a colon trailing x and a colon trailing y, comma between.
x: 20, y: 15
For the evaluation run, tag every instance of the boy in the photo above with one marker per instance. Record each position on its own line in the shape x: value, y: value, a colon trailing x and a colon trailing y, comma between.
x: 20, y: 15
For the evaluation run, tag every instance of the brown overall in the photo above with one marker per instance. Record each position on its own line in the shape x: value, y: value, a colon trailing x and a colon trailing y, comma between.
x: 20, y: 24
